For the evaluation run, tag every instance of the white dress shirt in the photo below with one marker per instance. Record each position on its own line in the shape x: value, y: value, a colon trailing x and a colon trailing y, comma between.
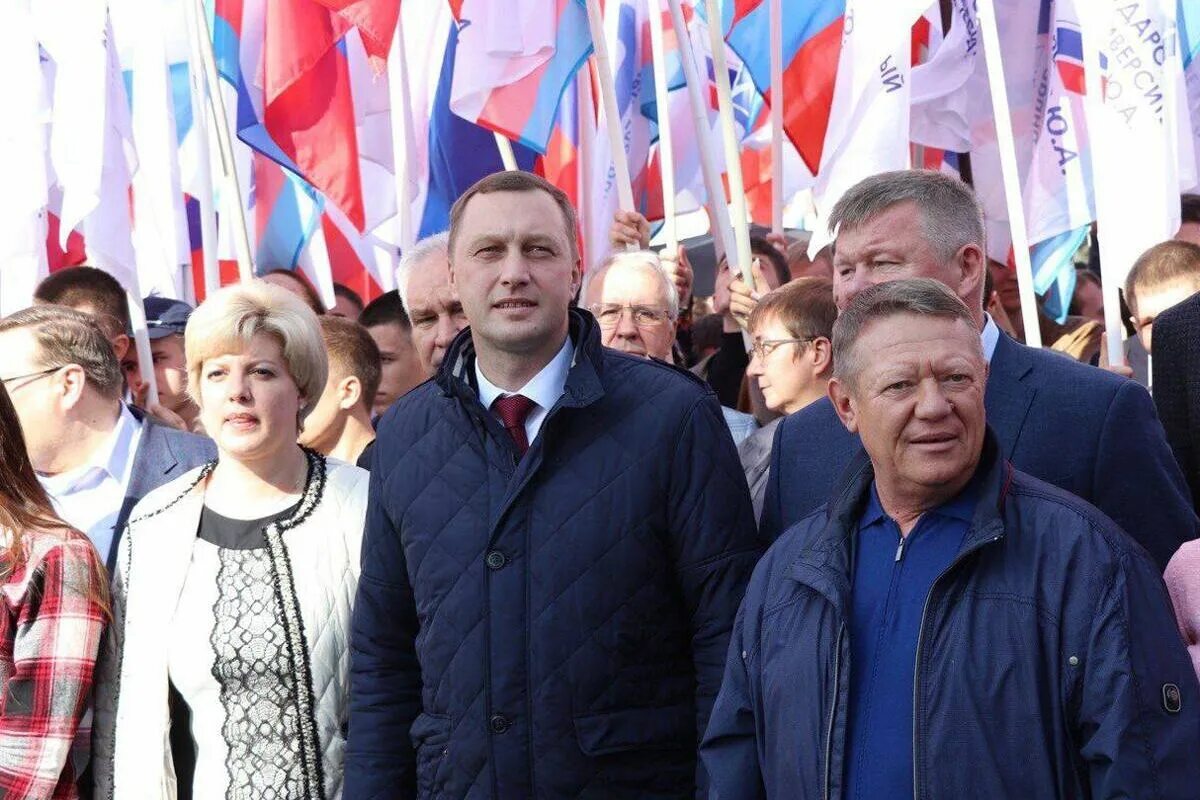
x: 89, y: 497
x: 543, y: 389
x: 990, y: 336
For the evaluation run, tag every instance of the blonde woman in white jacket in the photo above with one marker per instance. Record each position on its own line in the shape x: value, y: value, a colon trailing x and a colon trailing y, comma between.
x: 225, y: 671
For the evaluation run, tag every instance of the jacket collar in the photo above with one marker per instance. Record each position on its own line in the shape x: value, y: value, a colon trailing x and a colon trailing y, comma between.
x: 1009, y: 395
x: 584, y: 380
x: 825, y: 563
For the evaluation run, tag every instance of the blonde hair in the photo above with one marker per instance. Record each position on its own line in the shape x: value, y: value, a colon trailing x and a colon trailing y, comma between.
x: 229, y: 319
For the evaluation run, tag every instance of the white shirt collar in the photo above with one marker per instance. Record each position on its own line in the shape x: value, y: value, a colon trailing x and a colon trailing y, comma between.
x: 544, y: 388
x: 112, y: 458
x: 990, y: 336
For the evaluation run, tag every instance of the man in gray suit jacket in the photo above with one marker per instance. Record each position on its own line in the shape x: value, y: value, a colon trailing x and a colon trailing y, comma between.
x: 95, y: 456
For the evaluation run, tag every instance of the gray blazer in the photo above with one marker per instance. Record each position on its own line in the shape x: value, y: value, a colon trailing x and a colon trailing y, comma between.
x: 755, y: 453
x: 163, y: 454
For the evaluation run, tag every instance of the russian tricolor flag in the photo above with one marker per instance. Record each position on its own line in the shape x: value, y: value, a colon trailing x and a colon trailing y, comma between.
x: 515, y: 59
x: 812, y: 42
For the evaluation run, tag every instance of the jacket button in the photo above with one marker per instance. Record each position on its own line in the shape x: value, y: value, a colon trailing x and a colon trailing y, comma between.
x: 495, y: 559
x: 499, y: 723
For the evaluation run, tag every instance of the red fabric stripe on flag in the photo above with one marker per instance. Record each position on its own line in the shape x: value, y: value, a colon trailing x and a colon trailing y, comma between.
x: 309, y: 110
x: 344, y: 264
x: 809, y: 81
x: 57, y: 257
x: 375, y: 20
x: 742, y: 9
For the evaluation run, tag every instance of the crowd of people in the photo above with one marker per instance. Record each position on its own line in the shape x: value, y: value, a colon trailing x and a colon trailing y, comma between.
x: 516, y: 531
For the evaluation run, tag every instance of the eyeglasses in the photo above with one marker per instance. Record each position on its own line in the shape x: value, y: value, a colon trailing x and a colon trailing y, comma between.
x: 7, y: 381
x: 609, y: 315
x: 764, y: 347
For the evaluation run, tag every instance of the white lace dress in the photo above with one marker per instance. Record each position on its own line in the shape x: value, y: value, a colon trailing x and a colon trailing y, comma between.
x: 230, y: 662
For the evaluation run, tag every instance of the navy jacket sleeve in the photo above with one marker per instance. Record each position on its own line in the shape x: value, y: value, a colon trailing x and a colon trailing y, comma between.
x: 1135, y: 740
x: 385, y: 677
x: 730, y: 749
x: 770, y: 524
x: 714, y: 543
x: 1137, y: 480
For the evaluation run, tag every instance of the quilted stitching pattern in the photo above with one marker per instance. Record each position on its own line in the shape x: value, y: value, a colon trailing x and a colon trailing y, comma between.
x: 625, y: 555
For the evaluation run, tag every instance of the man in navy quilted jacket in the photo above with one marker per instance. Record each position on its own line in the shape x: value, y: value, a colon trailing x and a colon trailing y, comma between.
x: 557, y: 541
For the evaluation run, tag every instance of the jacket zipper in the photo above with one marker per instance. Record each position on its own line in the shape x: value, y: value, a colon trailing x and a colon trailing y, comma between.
x: 837, y: 663
x: 917, y: 658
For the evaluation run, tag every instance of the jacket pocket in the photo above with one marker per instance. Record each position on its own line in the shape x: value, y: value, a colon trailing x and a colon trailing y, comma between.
x: 660, y: 728
x: 431, y: 737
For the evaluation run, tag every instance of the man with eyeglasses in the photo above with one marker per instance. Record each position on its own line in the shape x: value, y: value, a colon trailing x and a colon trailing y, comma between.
x: 637, y: 305
x: 95, y: 456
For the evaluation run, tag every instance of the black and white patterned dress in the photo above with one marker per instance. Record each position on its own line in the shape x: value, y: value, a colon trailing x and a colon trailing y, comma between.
x: 232, y: 664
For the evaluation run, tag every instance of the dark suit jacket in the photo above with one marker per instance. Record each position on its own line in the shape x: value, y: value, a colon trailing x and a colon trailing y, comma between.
x: 163, y: 454
x: 1078, y: 427
x: 1176, y: 369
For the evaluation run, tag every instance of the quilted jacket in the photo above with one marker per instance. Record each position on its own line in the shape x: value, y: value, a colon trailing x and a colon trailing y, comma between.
x: 317, y: 554
x: 553, y: 625
x: 1047, y: 665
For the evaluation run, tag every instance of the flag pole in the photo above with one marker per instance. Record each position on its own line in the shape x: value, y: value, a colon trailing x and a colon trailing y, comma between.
x: 507, y: 157
x: 666, y: 150
x: 1114, y: 329
x: 777, y: 134
x: 717, y: 207
x: 586, y: 112
x: 1008, y: 168
x: 398, y: 96
x: 733, y: 160
x: 608, y: 96
x: 241, y: 236
x: 200, y: 123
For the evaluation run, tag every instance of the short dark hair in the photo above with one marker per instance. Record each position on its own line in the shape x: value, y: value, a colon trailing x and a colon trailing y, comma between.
x: 804, y: 306
x: 346, y: 293
x: 1165, y: 262
x: 759, y: 246
x: 1082, y: 278
x: 311, y: 298
x: 517, y: 181
x: 67, y: 336
x: 352, y: 352
x: 88, y: 286
x: 385, y: 310
x: 1189, y: 208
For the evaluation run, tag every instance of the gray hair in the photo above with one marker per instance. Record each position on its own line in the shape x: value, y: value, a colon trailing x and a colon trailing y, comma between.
x: 423, y: 249
x: 923, y: 297
x: 641, y: 258
x: 66, y: 336
x: 950, y: 213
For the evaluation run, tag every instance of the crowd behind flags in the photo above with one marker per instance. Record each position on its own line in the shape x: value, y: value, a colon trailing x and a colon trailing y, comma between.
x: 114, y: 121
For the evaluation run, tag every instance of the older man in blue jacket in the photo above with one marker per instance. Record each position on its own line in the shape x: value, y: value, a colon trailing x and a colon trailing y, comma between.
x: 1082, y: 429
x: 948, y: 626
x: 557, y: 540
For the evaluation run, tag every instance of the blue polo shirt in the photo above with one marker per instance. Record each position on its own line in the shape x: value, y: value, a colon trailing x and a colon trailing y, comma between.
x: 892, y: 578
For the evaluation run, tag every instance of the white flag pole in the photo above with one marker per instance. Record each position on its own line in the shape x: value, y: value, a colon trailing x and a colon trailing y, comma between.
x: 666, y: 150
x: 608, y: 96
x: 402, y: 127
x: 777, y: 134
x: 1008, y: 167
x: 733, y: 160
x: 141, y: 339
x: 200, y: 123
x: 233, y: 190
x: 718, y: 209
x: 1114, y: 329
x: 507, y: 157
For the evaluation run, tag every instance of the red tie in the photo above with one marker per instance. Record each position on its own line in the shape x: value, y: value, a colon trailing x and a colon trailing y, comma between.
x: 513, y: 409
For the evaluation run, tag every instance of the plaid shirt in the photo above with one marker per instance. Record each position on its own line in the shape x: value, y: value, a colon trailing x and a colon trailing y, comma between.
x: 50, y: 629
